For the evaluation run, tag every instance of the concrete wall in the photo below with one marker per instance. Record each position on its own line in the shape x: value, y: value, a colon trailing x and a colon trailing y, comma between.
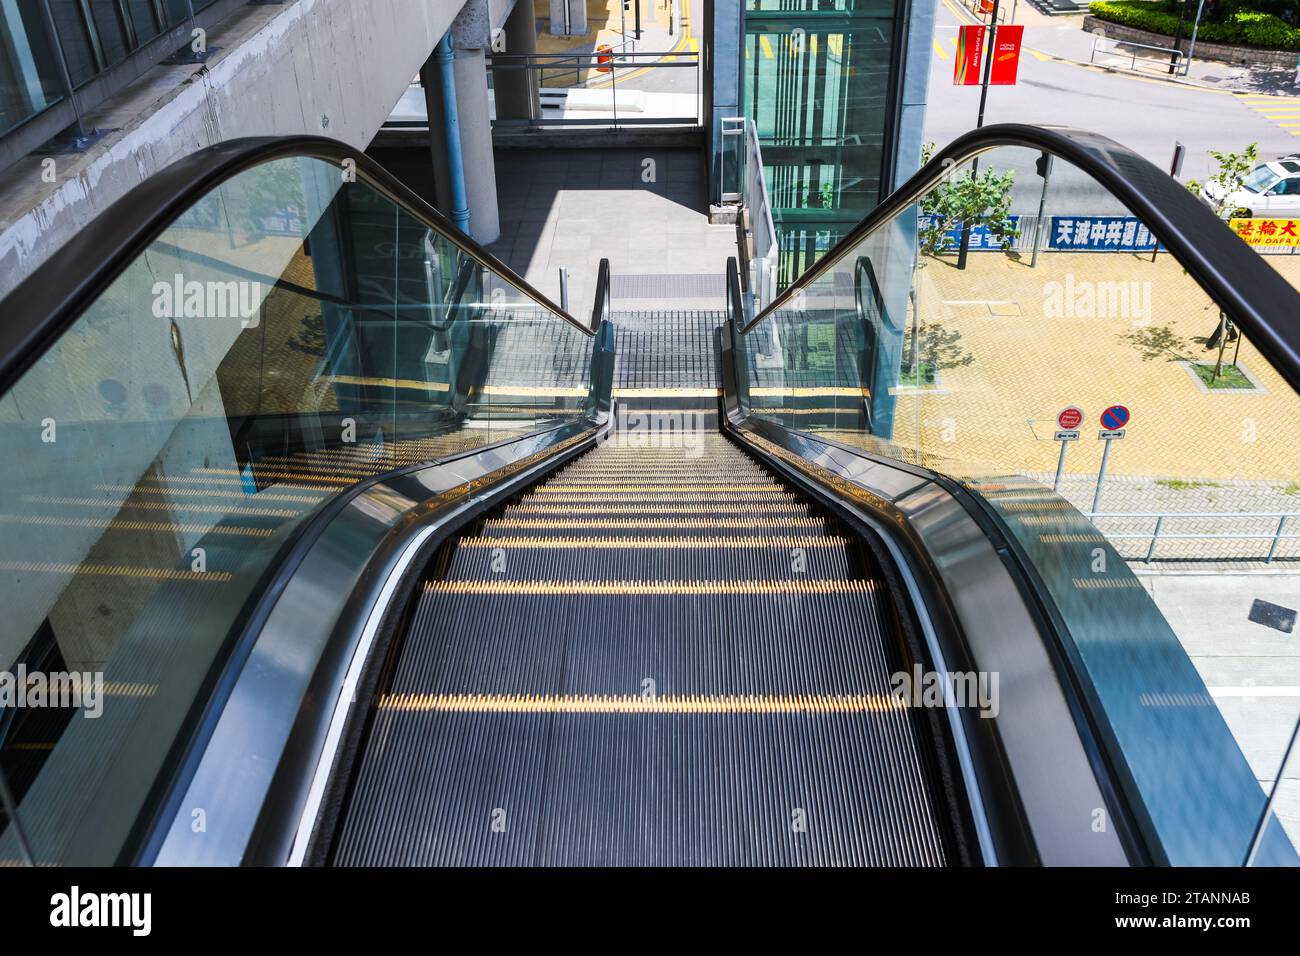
x: 328, y: 67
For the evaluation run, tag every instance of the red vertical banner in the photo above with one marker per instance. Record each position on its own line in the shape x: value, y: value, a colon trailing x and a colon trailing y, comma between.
x: 1006, y: 54
x: 970, y: 50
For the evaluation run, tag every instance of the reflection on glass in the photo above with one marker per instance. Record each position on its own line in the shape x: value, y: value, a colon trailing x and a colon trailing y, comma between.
x: 27, y: 80
x: 817, y: 90
x: 293, y: 333
x: 910, y: 349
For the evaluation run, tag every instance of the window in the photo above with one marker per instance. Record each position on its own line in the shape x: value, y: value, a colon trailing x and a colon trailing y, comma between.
x: 27, y: 77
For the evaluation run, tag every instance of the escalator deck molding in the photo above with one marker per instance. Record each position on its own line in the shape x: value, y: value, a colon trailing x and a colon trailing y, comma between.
x: 649, y: 588
x: 631, y: 704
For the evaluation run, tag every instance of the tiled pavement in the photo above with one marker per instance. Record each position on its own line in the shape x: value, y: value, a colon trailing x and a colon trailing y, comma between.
x: 643, y: 209
x: 1012, y: 361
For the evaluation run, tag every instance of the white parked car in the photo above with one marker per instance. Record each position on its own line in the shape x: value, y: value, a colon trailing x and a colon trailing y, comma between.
x: 1269, y: 191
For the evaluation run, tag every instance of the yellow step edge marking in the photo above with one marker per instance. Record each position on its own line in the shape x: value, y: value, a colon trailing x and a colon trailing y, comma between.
x: 388, y: 382
x: 547, y: 391
x: 648, y: 588
x: 210, y: 493
x: 639, y: 509
x: 165, y: 506
x: 566, y: 541
x: 666, y: 393
x: 117, y: 571
x: 632, y: 704
x: 541, y: 497
x: 601, y: 486
x: 632, y: 523
x: 810, y: 391
x: 123, y: 524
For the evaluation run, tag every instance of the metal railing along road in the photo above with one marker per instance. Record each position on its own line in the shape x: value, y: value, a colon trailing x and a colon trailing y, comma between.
x: 1177, y: 56
x: 1158, y: 534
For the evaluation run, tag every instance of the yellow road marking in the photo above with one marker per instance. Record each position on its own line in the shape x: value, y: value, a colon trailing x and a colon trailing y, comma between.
x: 939, y: 51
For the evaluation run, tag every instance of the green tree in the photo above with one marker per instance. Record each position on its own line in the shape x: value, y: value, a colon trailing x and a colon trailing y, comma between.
x: 1227, y: 180
x: 963, y: 200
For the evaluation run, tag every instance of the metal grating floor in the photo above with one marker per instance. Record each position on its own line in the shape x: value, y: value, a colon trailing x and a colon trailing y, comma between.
x: 668, y: 349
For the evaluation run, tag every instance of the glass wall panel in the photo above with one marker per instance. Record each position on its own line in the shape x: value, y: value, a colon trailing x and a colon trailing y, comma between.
x: 28, y: 82
x: 819, y: 90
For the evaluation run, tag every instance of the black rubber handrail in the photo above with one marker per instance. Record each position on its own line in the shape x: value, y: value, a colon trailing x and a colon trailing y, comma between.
x: 1245, y: 287
x: 49, y: 300
x: 735, y: 296
x: 603, y: 304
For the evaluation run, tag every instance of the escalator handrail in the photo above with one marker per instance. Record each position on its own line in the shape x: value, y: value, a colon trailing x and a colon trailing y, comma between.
x: 1245, y: 287
x: 49, y: 300
x: 604, y: 299
x: 735, y: 295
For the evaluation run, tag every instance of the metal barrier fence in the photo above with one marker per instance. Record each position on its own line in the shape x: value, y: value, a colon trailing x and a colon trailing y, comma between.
x: 1172, y: 56
x: 1158, y: 534
x: 561, y: 84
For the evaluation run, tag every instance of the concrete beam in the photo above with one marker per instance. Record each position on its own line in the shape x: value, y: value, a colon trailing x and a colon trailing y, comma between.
x: 328, y: 67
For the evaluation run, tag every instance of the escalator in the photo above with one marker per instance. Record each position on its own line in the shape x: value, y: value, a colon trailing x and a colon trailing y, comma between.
x: 399, y: 563
x: 633, y: 681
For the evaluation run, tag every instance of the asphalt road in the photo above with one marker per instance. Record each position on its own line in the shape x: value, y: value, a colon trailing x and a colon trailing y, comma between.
x: 1146, y: 115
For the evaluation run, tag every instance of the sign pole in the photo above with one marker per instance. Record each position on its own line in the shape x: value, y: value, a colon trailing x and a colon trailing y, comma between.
x: 964, y: 248
x: 1101, y: 477
x: 1068, y: 421
x: 989, y: 50
x: 1113, y: 420
x: 1175, y: 167
x: 1045, y: 170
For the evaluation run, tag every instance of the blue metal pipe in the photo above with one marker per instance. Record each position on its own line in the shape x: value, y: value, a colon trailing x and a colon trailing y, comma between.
x: 451, y: 129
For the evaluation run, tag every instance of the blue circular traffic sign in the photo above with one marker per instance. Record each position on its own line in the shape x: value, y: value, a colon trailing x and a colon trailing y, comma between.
x: 1114, y: 418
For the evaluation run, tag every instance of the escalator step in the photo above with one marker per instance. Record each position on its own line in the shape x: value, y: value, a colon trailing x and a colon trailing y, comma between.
x: 675, y: 526
x: 649, y: 659
x: 520, y: 744
x: 665, y: 558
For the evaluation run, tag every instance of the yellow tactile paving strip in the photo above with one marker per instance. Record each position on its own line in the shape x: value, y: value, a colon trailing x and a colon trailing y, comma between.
x: 997, y: 413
